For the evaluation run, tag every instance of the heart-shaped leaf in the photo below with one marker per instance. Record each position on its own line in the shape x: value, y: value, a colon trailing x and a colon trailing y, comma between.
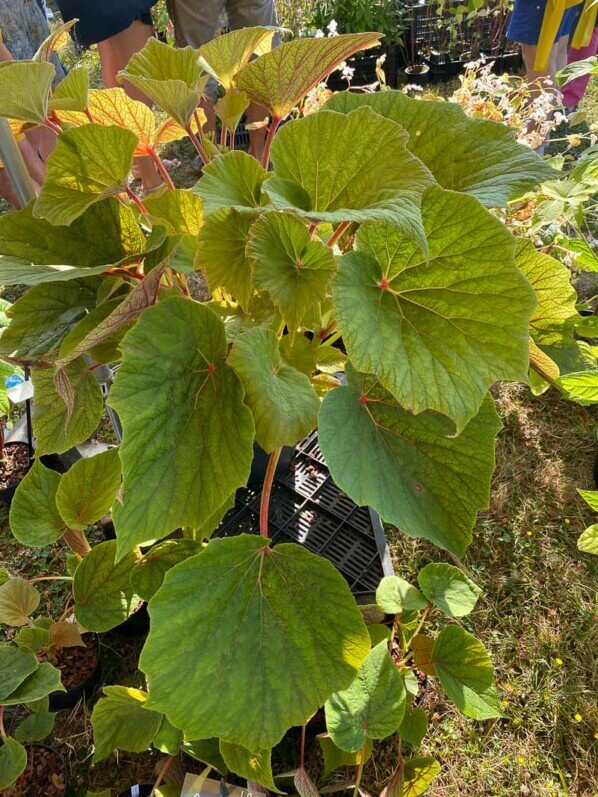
x: 17, y: 664
x: 88, y: 489
x: 437, y: 331
x: 148, y: 574
x: 280, y: 79
x: 34, y: 518
x: 449, y: 589
x: 42, y: 682
x: 408, y: 468
x: 36, y: 727
x: 25, y: 90
x: 224, y: 55
x: 121, y: 721
x: 179, y: 467
x: 251, y: 766
x: 372, y: 707
x: 476, y: 156
x: 230, y: 181
x: 71, y: 94
x: 13, y: 760
x: 276, y: 630
x: 282, y: 400
x: 395, y: 595
x: 89, y: 163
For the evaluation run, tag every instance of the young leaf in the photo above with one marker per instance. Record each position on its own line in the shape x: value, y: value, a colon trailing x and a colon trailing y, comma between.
x: 414, y: 726
x: 41, y: 318
x: 33, y: 638
x: 42, y: 682
x: 280, y: 79
x: 251, y: 766
x: 25, y: 89
x: 412, y: 778
x: 89, y: 163
x: 476, y: 156
x: 408, y: 468
x: 588, y: 540
x: 395, y: 595
x: 34, y: 518
x: 590, y: 497
x: 55, y: 41
x: 55, y: 428
x: 293, y: 269
x: 103, y: 594
x: 274, y: 631
x: 172, y: 78
x: 224, y: 55
x: 148, y: 574
x: 437, y: 331
x: 304, y: 784
x: 372, y: 707
x: 18, y: 599
x: 229, y: 181
x: 222, y: 253
x: 35, y: 727
x: 17, y: 665
x: 282, y: 400
x: 65, y: 635
x: 121, y: 721
x: 230, y: 108
x: 449, y: 589
x: 88, y: 489
x: 465, y: 671
x: 334, y: 757
x: 33, y: 250
x: 179, y: 467
x: 71, y: 93
x: 353, y: 167
x: 13, y: 760
x: 169, y: 739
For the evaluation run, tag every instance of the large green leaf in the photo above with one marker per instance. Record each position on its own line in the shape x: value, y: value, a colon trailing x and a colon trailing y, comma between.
x: 293, y: 269
x: 437, y: 332
x: 42, y: 682
x: 465, y: 671
x: 251, y: 766
x: 34, y: 518
x: 282, y: 400
x: 148, y: 574
x: 222, y: 243
x: 89, y: 163
x: 16, y: 666
x: 449, y: 589
x: 56, y: 429
x: 13, y: 760
x: 41, y: 318
x: 356, y: 167
x: 254, y: 625
x: 372, y: 707
x: 172, y: 78
x: 120, y: 721
x: 281, y: 78
x: 102, y: 589
x: 88, y: 489
x: 234, y: 181
x: 25, y: 90
x: 224, y: 55
x: 32, y: 250
x: 191, y: 446
x: 408, y: 468
x: 476, y: 156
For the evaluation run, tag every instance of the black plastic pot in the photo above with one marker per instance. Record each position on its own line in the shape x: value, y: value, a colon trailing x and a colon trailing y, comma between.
x: 85, y: 689
x: 419, y: 74
x: 138, y: 790
x: 136, y: 625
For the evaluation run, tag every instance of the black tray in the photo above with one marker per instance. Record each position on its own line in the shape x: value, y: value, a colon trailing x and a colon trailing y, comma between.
x: 308, y: 508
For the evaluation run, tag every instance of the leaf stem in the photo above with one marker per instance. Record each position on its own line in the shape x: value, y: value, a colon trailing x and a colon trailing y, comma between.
x: 198, y: 145
x: 161, y: 774
x: 77, y: 542
x: 274, y: 125
x: 37, y: 579
x: 267, y: 491
x: 302, y: 751
x: 53, y: 126
x: 162, y: 170
x: 133, y: 196
x: 2, y: 731
x: 359, y: 773
x: 338, y: 233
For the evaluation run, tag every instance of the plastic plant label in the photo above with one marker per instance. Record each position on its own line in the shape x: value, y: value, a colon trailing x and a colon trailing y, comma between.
x: 200, y: 786
x: 20, y: 391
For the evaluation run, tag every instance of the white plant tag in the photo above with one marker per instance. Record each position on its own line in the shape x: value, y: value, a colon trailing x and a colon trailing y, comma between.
x: 200, y: 786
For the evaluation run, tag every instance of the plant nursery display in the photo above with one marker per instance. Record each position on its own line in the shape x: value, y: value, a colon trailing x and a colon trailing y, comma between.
x: 358, y: 281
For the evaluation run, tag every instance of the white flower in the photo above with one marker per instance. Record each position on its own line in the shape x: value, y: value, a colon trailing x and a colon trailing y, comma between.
x: 332, y: 28
x: 319, y: 34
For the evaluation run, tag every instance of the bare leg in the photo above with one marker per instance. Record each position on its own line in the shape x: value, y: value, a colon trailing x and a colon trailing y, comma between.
x: 257, y: 138
x: 540, y: 81
x: 115, y: 54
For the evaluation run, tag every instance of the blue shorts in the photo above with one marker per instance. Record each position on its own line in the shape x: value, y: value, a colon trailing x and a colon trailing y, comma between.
x: 101, y: 19
x: 526, y: 21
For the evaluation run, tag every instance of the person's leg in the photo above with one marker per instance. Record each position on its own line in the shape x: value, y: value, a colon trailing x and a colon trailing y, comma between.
x: 115, y: 54
x: 543, y: 80
x: 574, y: 91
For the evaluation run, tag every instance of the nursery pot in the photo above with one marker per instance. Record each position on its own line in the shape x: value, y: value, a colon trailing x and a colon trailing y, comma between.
x: 81, y: 685
x: 19, y: 455
x: 417, y: 74
x: 42, y: 762
x: 138, y: 790
x: 136, y: 625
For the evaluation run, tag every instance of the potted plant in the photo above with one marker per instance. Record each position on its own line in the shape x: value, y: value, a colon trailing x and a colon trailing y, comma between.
x: 352, y: 228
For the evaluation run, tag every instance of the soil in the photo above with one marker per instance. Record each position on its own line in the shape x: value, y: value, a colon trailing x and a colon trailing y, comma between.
x: 77, y: 663
x: 15, y: 466
x: 44, y: 775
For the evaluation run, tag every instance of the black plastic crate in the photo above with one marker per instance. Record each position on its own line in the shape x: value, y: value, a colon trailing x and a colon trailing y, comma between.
x: 307, y: 508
